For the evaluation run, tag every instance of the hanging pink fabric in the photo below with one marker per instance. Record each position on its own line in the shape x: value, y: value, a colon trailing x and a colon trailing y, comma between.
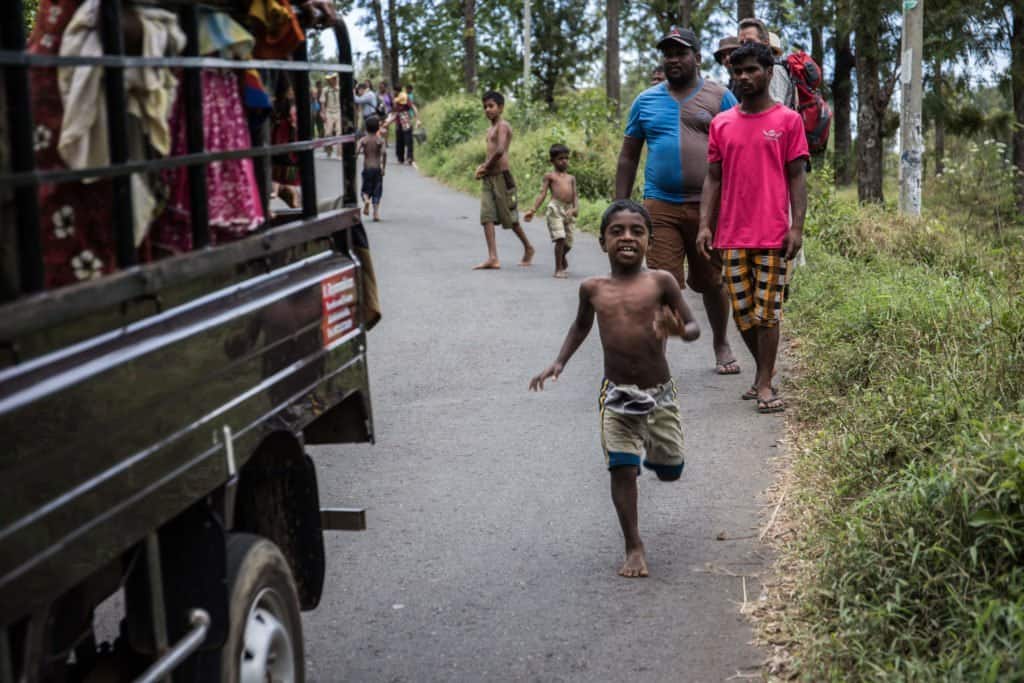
x: 233, y: 196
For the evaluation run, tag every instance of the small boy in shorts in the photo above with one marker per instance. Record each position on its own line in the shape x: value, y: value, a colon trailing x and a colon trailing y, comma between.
x: 637, y: 310
x: 498, y: 187
x: 375, y: 160
x: 562, y: 209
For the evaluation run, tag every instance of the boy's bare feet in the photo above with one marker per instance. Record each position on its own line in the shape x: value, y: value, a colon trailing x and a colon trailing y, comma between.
x: 635, y: 565
x: 528, y: 257
x: 561, y: 274
x: 489, y: 264
x: 366, y: 208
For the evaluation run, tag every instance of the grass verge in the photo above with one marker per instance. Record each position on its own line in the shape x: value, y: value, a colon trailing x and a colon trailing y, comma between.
x: 906, y: 494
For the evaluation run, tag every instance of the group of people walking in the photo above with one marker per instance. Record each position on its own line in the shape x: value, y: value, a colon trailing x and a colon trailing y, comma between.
x: 388, y: 107
x: 723, y: 209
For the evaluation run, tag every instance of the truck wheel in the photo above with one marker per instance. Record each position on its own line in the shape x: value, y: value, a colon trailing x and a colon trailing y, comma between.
x: 264, y: 642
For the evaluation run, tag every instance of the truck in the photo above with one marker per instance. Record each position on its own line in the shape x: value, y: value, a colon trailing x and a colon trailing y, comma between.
x: 154, y: 420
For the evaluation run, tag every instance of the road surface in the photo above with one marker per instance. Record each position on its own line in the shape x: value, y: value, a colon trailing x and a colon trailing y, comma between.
x: 493, y: 546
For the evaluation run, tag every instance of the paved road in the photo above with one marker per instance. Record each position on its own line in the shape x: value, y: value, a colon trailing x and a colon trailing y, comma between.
x: 493, y: 545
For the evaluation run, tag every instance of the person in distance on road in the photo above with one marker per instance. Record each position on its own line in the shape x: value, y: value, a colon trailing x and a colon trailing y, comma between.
x: 637, y: 311
x: 498, y: 196
x: 657, y: 75
x: 756, y: 182
x: 375, y: 158
x: 562, y: 209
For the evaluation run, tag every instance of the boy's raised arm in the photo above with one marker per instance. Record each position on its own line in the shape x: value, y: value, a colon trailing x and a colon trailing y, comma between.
x: 578, y: 331
x: 674, y: 318
x: 545, y: 183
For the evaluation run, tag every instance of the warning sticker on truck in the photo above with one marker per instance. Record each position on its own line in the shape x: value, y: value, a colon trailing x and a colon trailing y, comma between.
x: 338, y: 307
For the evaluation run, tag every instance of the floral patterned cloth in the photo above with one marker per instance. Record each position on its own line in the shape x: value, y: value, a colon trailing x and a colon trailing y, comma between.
x: 233, y: 196
x: 74, y: 219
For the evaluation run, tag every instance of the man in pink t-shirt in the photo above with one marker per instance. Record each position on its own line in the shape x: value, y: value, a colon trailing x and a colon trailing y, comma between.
x: 755, y: 193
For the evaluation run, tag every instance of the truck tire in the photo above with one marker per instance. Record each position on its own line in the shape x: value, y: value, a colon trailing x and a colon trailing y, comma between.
x: 264, y: 640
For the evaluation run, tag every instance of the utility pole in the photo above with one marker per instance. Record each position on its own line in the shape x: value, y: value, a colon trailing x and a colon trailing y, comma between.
x: 911, y: 139
x: 526, y: 50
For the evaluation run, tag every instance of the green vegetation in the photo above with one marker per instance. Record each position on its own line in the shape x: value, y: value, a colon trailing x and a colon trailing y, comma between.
x: 455, y: 146
x: 908, y: 481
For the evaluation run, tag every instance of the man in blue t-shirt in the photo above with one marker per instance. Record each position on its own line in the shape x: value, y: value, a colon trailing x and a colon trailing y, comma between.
x: 674, y: 118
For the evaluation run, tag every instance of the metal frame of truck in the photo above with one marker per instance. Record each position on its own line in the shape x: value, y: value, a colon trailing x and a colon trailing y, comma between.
x: 153, y: 421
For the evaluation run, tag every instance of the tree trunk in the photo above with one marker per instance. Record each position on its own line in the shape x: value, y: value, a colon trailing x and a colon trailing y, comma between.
x: 744, y: 9
x: 1017, y: 82
x: 469, y: 46
x: 685, y: 13
x: 842, y: 95
x: 393, y: 47
x: 382, y: 41
x: 940, y: 120
x: 818, y: 44
x: 611, y: 60
x: 869, y: 114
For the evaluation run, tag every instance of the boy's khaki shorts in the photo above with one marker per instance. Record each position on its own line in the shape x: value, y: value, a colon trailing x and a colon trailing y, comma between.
x: 658, y: 434
x: 498, y: 200
x: 560, y: 222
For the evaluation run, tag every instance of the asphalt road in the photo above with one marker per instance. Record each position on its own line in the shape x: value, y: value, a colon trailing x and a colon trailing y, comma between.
x: 492, y: 547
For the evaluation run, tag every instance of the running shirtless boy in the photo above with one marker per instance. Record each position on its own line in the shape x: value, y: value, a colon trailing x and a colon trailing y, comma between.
x: 562, y: 209
x: 498, y: 194
x: 637, y: 310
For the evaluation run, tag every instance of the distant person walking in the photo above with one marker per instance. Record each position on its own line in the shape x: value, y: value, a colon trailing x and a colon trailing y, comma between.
x: 404, y: 115
x: 726, y: 46
x: 375, y: 160
x: 657, y: 75
x: 756, y: 180
x: 366, y: 100
x: 673, y: 119
x: 498, y: 187
x: 331, y: 101
x: 318, y: 108
x: 781, y: 88
x: 562, y: 209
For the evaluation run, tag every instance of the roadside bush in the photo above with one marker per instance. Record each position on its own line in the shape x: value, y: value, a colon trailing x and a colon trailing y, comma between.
x: 909, y: 338
x: 978, y: 188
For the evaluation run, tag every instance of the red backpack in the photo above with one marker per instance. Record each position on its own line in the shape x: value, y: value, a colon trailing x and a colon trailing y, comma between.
x: 807, y: 78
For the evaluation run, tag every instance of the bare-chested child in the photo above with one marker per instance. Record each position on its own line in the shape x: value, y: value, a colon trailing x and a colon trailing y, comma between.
x: 562, y: 209
x: 375, y: 160
x: 637, y: 310
x: 498, y: 194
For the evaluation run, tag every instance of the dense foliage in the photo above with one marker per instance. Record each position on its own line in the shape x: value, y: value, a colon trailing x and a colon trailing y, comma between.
x: 910, y: 469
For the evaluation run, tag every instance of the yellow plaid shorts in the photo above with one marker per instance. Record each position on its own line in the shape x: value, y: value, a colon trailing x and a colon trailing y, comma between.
x: 757, y: 280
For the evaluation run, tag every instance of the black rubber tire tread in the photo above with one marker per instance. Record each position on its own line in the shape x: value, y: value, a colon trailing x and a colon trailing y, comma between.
x: 255, y: 563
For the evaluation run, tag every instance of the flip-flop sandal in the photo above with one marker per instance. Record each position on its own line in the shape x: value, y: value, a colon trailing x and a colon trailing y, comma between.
x: 727, y: 367
x: 751, y: 393
x: 773, y: 405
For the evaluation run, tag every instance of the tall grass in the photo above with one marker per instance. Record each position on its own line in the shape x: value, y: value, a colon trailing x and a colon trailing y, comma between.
x: 909, y: 337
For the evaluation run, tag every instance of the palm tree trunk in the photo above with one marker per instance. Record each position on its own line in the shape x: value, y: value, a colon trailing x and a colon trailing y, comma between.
x: 382, y: 41
x: 744, y: 9
x: 393, y: 47
x: 469, y: 45
x: 842, y: 97
x: 1017, y: 71
x: 869, y: 113
x: 612, y: 82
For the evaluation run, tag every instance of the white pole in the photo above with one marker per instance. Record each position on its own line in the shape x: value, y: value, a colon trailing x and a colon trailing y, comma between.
x: 526, y: 50
x: 911, y: 139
